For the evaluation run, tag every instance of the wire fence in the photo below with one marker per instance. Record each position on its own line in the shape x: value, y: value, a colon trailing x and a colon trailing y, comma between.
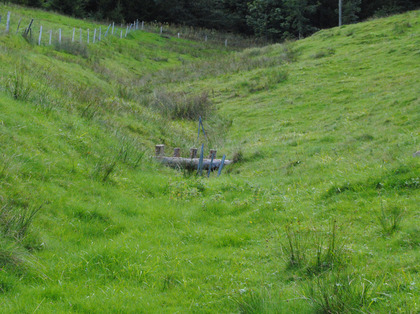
x: 43, y: 32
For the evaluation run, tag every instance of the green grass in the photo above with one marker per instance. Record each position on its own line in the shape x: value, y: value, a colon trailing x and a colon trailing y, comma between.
x: 323, y: 130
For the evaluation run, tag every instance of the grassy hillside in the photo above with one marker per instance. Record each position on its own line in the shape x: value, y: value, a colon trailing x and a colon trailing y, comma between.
x: 319, y: 213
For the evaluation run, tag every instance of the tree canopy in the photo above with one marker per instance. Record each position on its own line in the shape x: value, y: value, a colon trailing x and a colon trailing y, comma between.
x: 271, y: 19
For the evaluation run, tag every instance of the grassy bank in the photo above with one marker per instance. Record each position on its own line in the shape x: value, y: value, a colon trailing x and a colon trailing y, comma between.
x: 319, y: 213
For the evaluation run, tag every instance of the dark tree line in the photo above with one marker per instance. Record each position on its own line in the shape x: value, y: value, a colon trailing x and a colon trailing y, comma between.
x: 271, y: 19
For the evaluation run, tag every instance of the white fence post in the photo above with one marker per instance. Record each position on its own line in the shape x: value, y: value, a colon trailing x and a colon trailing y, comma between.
x: 161, y: 30
x: 88, y: 36
x: 100, y: 33
x: 40, y: 36
x: 72, y: 37
x: 178, y: 35
x: 226, y: 43
x: 8, y: 22
x: 80, y: 35
x: 59, y: 36
x: 121, y: 34
x: 126, y: 31
x: 142, y: 25
x: 49, y: 41
x: 113, y: 24
x: 94, y: 36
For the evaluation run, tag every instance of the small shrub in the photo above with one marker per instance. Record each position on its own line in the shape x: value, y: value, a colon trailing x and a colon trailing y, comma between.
x: 238, y: 156
x: 18, y: 85
x: 323, y: 53
x: 14, y: 222
x: 130, y: 153
x: 14, y: 225
x: 104, y: 168
x: 181, y: 105
x: 339, y: 292
x: 251, y: 302
x: 390, y: 219
x: 312, y: 251
x: 288, y: 54
x: 74, y: 48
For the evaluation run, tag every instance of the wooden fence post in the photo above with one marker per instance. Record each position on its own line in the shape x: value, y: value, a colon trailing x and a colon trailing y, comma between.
x: 193, y: 152
x: 40, y: 36
x: 177, y: 152
x: 17, y: 29
x: 8, y: 22
x: 160, y: 150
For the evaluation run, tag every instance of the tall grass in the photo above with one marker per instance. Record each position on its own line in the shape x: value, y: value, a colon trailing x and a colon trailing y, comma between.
x: 340, y: 292
x: 313, y: 251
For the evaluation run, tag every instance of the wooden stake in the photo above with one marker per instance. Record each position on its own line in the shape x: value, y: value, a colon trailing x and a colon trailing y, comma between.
x: 193, y: 152
x: 17, y: 29
x: 177, y: 152
x: 160, y: 150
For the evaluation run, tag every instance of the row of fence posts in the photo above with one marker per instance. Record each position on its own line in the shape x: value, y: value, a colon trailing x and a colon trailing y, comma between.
x: 130, y: 27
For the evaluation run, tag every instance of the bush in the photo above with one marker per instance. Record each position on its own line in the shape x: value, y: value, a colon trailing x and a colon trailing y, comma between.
x: 339, y: 292
x: 181, y: 105
x: 18, y: 85
x: 74, y: 48
x: 312, y: 251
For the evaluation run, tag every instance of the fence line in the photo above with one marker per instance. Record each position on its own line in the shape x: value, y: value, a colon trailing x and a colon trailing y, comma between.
x: 179, y: 32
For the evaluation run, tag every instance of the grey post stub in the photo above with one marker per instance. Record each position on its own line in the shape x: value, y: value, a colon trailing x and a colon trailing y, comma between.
x: 177, y: 152
x: 193, y: 152
x: 160, y: 150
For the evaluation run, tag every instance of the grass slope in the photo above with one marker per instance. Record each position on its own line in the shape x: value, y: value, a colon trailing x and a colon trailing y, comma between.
x: 320, y: 213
